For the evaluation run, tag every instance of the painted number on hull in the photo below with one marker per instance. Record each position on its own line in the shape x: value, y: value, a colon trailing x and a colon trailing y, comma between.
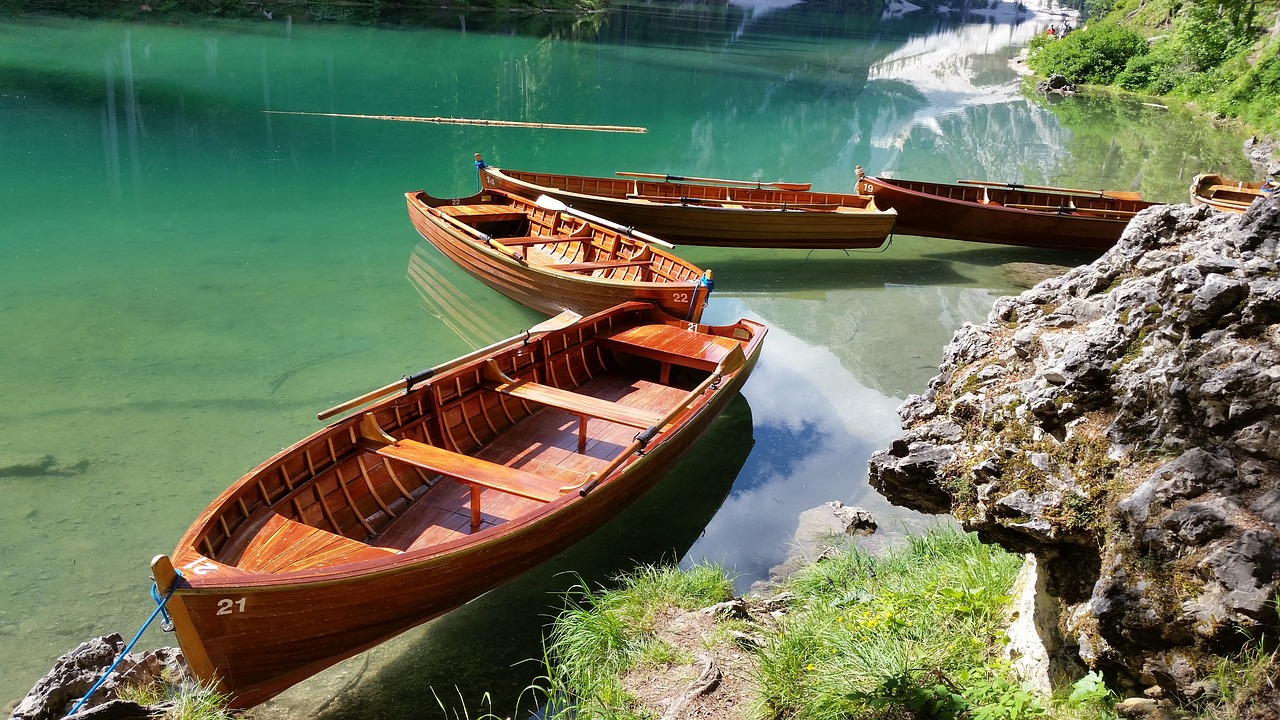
x: 680, y: 297
x: 200, y: 566
x: 226, y: 606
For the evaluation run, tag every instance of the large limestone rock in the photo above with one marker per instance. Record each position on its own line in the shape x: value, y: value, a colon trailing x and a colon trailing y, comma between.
x: 76, y: 672
x: 1120, y: 423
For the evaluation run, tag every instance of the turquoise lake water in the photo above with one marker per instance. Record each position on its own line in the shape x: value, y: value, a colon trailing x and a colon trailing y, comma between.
x: 185, y: 279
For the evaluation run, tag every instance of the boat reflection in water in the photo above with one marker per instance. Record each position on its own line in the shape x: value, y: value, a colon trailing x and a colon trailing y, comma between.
x: 493, y: 644
x: 467, y: 316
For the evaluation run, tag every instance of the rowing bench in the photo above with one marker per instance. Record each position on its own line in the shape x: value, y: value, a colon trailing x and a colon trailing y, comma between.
x: 671, y: 345
x: 584, y: 406
x: 471, y: 471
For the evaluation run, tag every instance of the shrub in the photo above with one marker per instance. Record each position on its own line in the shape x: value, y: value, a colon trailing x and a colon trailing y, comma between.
x: 1093, y: 54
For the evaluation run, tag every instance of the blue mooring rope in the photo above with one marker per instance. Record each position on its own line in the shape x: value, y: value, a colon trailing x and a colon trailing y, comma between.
x: 166, y: 623
x: 711, y: 286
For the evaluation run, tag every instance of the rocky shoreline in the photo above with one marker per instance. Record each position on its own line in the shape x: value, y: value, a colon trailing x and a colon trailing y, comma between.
x: 1120, y: 424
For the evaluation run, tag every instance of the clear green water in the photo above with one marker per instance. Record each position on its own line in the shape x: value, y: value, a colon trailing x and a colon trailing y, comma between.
x: 185, y: 281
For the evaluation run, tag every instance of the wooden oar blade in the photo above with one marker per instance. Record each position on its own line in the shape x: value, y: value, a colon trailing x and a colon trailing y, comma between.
x: 558, y: 322
x: 731, y: 362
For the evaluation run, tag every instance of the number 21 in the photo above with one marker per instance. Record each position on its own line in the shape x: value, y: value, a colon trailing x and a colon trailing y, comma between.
x: 225, y: 606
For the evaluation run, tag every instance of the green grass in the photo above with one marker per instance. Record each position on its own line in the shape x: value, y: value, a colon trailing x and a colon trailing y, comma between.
x: 912, y: 632
x: 916, y: 633
x: 189, y: 700
x: 603, y: 633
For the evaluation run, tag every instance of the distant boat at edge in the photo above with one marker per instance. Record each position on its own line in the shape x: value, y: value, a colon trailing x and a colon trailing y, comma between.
x: 1223, y: 193
x: 1007, y: 213
x: 468, y: 475
x: 707, y: 211
x: 552, y: 260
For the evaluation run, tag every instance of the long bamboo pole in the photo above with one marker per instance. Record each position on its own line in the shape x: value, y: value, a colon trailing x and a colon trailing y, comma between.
x: 470, y: 121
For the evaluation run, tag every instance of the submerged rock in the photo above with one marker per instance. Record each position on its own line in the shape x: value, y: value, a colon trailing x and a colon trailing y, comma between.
x: 1121, y: 422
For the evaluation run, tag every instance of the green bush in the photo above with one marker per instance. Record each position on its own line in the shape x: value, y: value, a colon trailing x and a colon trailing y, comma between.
x: 1153, y: 72
x: 1095, y: 54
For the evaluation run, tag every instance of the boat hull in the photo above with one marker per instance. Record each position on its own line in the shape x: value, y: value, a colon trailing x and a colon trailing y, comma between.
x: 252, y: 634
x: 547, y: 290
x: 847, y: 223
x: 958, y: 212
x: 1224, y: 194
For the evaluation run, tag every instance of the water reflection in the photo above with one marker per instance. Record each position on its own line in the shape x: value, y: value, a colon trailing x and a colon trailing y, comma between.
x: 464, y: 314
x: 401, y: 678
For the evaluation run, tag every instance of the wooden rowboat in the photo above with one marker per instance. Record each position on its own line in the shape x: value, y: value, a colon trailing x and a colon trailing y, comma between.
x: 725, y: 213
x: 467, y: 475
x: 553, y: 260
x: 1007, y: 213
x: 1224, y: 194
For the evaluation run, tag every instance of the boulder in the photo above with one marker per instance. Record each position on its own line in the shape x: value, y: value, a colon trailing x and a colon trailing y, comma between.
x: 1118, y: 422
x: 75, y: 673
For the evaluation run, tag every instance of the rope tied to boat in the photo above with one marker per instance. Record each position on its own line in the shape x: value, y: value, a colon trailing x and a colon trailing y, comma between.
x: 166, y: 624
x: 704, y: 281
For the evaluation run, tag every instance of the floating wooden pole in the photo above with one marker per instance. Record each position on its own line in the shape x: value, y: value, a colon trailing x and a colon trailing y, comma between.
x: 470, y: 121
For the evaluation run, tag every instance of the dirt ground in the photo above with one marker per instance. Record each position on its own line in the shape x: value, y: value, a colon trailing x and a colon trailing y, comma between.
x: 716, y: 685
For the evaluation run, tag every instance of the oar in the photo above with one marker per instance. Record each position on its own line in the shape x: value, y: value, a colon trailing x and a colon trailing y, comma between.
x: 469, y: 121
x: 559, y: 322
x: 546, y: 202
x: 797, y: 187
x: 1116, y: 194
x: 729, y: 364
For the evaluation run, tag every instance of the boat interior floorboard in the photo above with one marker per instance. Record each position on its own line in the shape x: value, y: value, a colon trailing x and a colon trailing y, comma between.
x: 546, y: 443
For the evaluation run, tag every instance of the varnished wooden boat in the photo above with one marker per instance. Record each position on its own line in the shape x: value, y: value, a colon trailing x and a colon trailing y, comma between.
x: 723, y: 213
x: 1007, y: 213
x: 1223, y: 193
x: 553, y: 260
x: 466, y: 476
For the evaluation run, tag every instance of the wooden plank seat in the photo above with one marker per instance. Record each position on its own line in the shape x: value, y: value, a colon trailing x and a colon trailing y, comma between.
x: 281, y: 544
x: 671, y: 345
x: 598, y: 265
x: 1230, y: 194
x: 474, y: 472
x: 584, y: 406
x: 471, y: 214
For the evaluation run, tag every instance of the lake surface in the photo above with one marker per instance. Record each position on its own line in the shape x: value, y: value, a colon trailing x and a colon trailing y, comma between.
x: 185, y: 280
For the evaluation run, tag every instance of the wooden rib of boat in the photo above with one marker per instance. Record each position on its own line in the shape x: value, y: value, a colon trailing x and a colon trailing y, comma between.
x: 720, y: 213
x: 466, y: 476
x: 1223, y: 193
x: 551, y: 260
x: 1007, y: 213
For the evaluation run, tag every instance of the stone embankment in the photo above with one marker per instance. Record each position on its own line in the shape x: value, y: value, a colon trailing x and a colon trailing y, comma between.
x: 1122, y: 424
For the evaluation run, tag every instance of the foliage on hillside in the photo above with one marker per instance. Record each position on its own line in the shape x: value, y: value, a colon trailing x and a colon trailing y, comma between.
x: 1220, y: 54
x: 366, y: 12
